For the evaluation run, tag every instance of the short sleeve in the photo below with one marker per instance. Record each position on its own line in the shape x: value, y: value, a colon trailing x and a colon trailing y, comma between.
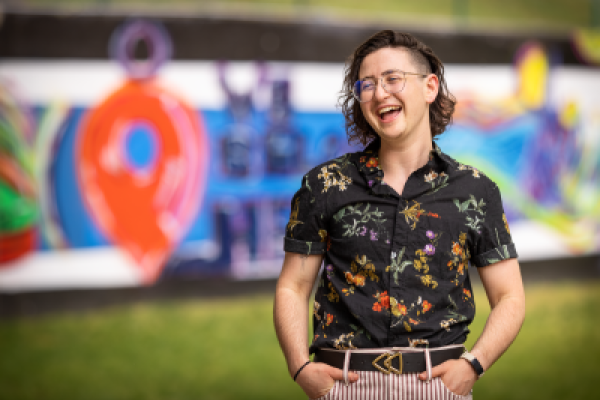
x: 305, y: 232
x: 493, y: 241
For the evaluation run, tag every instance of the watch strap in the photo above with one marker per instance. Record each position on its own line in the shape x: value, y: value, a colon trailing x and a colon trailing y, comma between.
x: 474, y: 363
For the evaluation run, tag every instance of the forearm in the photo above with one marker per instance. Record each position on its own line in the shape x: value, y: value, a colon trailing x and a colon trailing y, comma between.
x: 501, y: 329
x: 291, y: 326
x: 290, y: 315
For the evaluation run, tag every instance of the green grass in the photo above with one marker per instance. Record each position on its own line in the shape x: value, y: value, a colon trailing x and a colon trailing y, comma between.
x: 486, y: 14
x: 226, y: 349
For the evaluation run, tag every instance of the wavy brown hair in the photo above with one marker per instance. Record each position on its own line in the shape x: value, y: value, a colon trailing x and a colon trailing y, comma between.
x: 440, y: 111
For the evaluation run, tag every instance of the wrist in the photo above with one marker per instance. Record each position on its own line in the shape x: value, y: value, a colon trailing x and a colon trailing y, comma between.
x: 474, y: 363
x: 295, y: 362
x: 483, y: 359
x: 299, y: 370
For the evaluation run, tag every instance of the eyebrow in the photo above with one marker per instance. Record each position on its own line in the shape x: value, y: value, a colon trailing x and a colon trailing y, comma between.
x: 389, y: 71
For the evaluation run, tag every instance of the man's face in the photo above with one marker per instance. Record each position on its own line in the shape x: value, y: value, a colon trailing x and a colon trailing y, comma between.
x: 408, y: 116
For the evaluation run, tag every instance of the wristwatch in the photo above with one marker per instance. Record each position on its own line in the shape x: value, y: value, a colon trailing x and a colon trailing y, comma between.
x: 474, y: 363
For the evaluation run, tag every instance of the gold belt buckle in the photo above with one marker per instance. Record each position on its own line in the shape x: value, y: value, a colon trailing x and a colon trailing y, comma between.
x: 388, y: 363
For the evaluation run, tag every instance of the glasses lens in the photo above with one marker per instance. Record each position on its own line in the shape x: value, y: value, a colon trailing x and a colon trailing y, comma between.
x: 394, y: 83
x: 363, y: 90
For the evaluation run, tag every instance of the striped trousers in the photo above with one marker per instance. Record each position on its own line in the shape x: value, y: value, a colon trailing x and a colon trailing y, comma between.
x: 379, y: 386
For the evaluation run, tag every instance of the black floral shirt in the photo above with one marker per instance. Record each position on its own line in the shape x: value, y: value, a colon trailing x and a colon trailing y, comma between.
x: 395, y: 266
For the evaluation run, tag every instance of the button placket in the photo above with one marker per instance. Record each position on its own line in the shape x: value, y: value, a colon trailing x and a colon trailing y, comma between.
x: 397, y: 258
x: 398, y: 236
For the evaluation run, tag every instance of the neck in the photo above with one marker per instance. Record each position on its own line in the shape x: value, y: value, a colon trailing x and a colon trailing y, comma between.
x: 399, y: 159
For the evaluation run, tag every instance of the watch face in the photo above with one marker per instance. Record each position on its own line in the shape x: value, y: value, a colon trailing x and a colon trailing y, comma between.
x: 477, y: 366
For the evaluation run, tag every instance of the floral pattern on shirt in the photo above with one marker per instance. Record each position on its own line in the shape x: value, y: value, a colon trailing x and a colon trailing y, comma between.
x: 396, y: 265
x: 332, y: 175
x: 361, y: 270
x: 474, y: 214
x: 437, y: 181
x: 324, y: 319
x: 413, y: 213
x: 462, y: 167
x: 502, y: 251
x: 402, y: 315
x: 453, y: 317
x: 459, y: 257
x: 505, y: 223
x: 344, y: 341
x: 366, y: 222
x: 424, y: 254
x: 293, y: 218
x: 332, y: 296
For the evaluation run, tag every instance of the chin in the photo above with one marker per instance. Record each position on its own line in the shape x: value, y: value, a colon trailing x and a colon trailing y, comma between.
x: 391, y: 132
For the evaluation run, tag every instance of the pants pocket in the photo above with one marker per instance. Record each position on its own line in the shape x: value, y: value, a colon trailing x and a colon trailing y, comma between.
x: 450, y: 394
x: 330, y: 395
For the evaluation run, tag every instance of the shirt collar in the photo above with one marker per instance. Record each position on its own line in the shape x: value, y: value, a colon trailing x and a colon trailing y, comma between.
x: 367, y: 162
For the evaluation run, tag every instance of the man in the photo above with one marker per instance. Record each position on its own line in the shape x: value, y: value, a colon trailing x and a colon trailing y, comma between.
x: 396, y: 226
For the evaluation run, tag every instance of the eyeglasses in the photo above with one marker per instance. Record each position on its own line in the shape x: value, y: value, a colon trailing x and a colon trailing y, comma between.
x: 392, y: 82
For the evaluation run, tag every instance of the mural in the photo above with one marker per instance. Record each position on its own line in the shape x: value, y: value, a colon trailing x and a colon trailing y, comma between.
x: 127, y: 183
x: 18, y: 206
x: 543, y: 156
x: 141, y: 157
x: 586, y: 45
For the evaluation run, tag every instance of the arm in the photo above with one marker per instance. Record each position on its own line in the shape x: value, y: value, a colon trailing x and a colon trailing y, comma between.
x: 504, y: 289
x: 290, y: 315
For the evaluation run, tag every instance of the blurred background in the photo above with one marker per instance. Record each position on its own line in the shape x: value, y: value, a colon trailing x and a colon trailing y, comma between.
x: 149, y: 151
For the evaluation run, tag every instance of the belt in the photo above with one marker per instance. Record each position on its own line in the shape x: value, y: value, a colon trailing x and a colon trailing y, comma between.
x: 391, y: 360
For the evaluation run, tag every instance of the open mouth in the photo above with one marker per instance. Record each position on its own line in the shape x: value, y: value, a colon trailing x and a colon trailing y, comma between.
x: 387, y: 114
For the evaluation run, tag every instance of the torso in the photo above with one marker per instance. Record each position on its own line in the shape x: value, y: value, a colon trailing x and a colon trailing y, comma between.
x: 395, y: 263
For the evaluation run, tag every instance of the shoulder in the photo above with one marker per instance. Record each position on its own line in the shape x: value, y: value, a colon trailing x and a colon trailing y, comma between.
x: 324, y: 183
x: 469, y: 176
x: 339, y: 171
x: 341, y: 162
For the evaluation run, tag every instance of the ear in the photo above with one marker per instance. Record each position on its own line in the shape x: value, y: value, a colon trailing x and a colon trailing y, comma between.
x: 431, y: 88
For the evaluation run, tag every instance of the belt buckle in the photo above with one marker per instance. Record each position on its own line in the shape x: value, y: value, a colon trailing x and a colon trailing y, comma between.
x: 388, y: 363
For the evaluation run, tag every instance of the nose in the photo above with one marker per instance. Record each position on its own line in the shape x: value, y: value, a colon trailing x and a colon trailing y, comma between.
x: 380, y: 92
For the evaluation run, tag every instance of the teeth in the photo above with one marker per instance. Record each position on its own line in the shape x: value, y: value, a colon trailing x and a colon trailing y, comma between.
x: 387, y: 109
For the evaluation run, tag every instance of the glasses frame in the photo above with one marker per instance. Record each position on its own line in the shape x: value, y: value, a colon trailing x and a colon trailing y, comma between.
x: 383, y: 85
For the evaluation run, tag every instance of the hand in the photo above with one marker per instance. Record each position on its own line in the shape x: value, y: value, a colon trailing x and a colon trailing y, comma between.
x: 317, y: 379
x: 458, y: 376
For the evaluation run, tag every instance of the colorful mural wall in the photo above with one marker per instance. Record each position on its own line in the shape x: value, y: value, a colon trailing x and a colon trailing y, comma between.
x: 127, y: 172
x: 540, y: 144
